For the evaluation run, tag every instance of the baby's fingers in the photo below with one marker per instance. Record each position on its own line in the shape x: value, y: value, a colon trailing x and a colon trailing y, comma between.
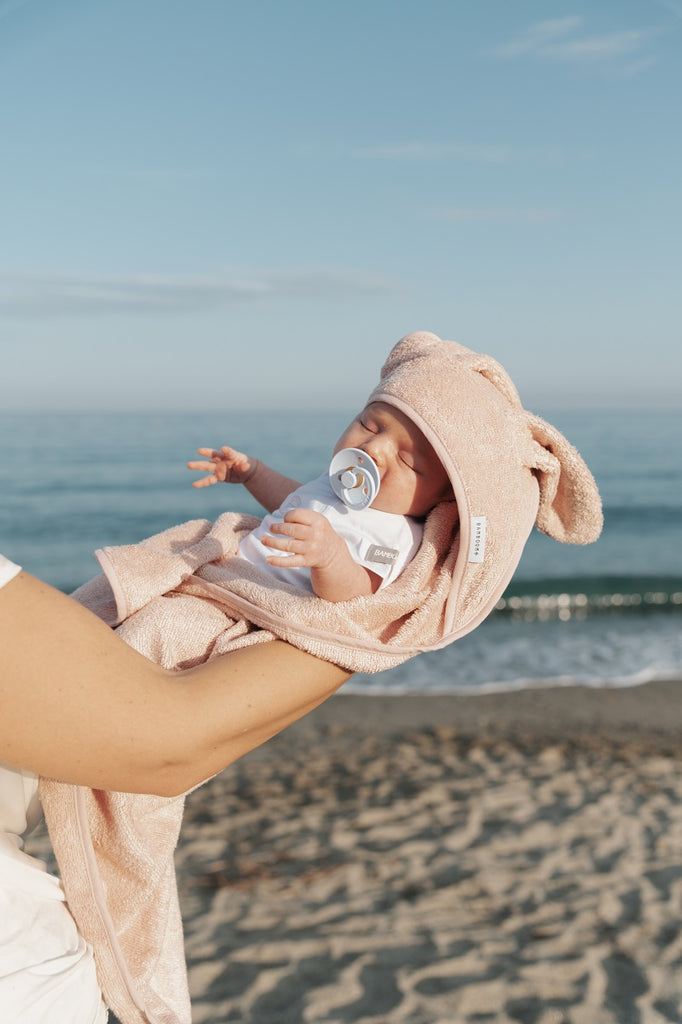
x: 281, y: 543
x: 204, y: 467
x: 287, y: 561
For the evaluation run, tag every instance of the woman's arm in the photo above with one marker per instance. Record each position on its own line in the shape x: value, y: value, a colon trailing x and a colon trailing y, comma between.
x: 81, y: 706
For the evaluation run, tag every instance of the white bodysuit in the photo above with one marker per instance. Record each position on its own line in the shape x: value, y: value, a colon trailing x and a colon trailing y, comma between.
x: 383, y: 542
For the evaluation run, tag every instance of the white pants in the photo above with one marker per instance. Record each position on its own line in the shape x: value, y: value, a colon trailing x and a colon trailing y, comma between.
x: 47, y: 973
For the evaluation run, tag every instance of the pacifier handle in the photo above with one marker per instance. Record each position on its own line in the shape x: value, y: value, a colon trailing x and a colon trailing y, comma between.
x: 351, y: 478
x: 354, y: 477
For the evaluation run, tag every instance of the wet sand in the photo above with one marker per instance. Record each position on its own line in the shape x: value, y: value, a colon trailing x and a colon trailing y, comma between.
x: 445, y: 860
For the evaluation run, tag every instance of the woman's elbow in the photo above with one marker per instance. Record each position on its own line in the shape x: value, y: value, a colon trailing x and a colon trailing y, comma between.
x: 174, y: 775
x: 168, y: 778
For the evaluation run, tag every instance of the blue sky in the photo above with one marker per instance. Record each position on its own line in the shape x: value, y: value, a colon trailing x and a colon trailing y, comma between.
x: 213, y: 204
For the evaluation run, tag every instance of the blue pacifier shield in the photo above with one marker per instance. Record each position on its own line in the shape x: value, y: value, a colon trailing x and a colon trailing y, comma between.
x: 354, y: 477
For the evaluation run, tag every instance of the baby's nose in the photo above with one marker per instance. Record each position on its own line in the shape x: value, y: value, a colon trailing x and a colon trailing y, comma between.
x: 376, y: 448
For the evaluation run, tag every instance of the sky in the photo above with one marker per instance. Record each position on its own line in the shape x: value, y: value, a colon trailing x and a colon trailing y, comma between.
x: 243, y: 204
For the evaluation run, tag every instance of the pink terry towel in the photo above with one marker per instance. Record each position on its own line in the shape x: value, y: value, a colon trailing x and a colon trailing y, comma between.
x: 185, y: 596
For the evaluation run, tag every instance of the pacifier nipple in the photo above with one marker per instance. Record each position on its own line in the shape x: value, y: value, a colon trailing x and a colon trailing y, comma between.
x: 354, y: 477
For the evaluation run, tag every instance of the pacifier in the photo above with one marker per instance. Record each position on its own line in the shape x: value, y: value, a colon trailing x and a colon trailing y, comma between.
x: 354, y: 477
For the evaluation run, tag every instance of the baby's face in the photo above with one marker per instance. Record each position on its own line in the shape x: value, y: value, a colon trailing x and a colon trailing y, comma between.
x: 413, y: 480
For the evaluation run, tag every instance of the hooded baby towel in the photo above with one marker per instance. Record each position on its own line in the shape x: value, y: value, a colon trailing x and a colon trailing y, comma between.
x: 185, y: 596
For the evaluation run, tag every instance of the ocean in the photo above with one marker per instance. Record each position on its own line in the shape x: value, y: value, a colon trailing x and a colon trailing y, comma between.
x: 609, y: 614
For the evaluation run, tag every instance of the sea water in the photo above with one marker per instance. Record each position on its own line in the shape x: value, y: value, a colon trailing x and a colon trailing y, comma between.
x: 603, y: 615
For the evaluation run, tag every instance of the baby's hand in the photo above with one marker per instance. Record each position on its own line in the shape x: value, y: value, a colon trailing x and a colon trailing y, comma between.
x: 226, y: 466
x: 307, y: 539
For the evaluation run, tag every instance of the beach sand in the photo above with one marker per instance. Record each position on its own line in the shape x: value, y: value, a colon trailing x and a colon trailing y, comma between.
x: 437, y: 860
x: 445, y: 860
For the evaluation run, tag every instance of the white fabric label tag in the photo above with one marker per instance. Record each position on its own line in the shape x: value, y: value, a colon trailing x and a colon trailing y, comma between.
x: 477, y: 542
x: 385, y: 556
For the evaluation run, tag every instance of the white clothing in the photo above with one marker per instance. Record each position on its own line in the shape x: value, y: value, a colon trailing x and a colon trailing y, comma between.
x: 47, y: 973
x: 383, y: 542
x: 8, y: 570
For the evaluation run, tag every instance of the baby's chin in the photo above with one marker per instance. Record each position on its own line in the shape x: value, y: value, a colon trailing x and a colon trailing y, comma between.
x: 380, y: 506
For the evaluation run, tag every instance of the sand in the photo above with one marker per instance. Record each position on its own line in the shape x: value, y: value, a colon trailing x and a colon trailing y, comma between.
x: 508, y: 858
x: 445, y: 860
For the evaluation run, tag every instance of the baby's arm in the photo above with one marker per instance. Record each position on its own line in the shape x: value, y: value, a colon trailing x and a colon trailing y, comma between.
x: 229, y: 466
x: 313, y: 542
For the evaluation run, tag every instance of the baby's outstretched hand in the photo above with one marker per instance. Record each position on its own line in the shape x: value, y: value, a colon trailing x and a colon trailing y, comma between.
x: 306, y: 538
x: 225, y: 466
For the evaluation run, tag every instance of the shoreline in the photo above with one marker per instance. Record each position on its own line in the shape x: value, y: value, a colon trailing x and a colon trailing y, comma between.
x: 649, y: 713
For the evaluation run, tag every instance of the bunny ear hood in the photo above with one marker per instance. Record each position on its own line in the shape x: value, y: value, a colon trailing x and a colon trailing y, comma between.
x: 508, y: 468
x: 570, y: 507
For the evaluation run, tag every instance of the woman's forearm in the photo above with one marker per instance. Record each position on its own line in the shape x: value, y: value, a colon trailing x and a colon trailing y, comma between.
x: 81, y: 706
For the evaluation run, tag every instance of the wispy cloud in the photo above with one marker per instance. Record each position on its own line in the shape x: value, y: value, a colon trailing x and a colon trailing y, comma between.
x: 40, y: 295
x: 421, y: 151
x: 568, y: 40
x: 497, y: 215
x: 536, y: 37
x: 429, y: 151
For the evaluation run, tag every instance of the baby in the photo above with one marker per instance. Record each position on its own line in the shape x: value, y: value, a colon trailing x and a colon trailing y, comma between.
x: 463, y: 473
x: 313, y: 538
